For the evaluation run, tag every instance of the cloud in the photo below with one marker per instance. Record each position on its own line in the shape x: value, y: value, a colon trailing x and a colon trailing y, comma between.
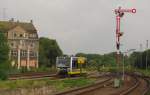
x: 83, y: 25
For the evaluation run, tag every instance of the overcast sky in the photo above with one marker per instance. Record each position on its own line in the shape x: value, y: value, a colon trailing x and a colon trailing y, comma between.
x: 83, y: 25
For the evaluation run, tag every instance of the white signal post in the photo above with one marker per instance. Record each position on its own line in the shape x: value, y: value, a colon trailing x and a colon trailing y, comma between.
x: 119, y: 14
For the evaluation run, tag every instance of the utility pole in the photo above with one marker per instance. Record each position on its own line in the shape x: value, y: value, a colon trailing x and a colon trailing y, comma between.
x: 125, y: 55
x: 18, y: 51
x: 28, y: 58
x: 146, y: 52
x: 119, y: 14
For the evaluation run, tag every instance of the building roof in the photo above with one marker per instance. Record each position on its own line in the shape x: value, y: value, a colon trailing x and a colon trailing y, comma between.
x: 8, y: 25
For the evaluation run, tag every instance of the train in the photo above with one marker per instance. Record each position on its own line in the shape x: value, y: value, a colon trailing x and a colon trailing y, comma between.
x: 71, y: 66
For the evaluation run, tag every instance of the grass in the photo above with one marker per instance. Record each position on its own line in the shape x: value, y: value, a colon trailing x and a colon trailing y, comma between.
x: 148, y: 93
x: 62, y: 85
x: 145, y: 72
x: 58, y: 85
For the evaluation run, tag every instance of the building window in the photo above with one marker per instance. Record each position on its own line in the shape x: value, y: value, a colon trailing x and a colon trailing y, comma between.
x: 15, y: 35
x: 32, y: 44
x: 12, y: 44
x: 34, y: 35
x: 14, y: 53
x: 21, y: 35
x: 30, y: 35
x: 32, y: 54
x: 23, y: 53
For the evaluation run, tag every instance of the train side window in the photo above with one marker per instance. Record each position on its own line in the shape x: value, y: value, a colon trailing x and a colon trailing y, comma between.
x: 74, y: 64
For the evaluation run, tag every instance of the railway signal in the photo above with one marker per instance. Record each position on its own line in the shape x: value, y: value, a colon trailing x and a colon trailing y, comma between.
x: 81, y: 60
x: 119, y: 14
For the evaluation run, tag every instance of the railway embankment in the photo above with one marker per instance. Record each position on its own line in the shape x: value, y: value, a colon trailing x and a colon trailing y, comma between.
x: 44, y: 86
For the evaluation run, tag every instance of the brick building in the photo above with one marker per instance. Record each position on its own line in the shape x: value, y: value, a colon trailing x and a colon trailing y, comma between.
x: 23, y: 42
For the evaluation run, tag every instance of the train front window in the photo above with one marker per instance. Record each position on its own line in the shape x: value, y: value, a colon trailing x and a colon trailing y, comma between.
x: 74, y: 64
x: 62, y: 62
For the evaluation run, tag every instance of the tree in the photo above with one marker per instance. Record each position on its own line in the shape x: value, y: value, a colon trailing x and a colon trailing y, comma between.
x: 4, y: 51
x: 138, y: 59
x: 4, y: 48
x: 97, y: 61
x: 48, y: 51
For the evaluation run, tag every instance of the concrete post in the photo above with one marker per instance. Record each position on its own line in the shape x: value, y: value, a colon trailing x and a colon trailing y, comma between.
x: 37, y: 62
x: 18, y: 57
x: 10, y: 55
x: 71, y: 64
x: 28, y: 58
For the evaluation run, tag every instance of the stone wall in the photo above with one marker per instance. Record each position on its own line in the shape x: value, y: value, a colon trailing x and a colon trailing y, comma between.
x: 27, y: 91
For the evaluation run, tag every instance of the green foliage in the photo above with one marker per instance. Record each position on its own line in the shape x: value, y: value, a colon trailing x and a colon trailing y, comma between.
x: 144, y: 72
x: 4, y: 51
x: 97, y: 61
x: 114, y: 70
x: 3, y: 74
x: 48, y: 51
x: 58, y: 85
x: 138, y: 59
x: 4, y: 48
x: 71, y: 83
x: 109, y: 59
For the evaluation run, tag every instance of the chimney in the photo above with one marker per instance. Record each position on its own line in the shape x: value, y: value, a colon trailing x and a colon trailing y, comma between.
x: 31, y: 21
x: 17, y: 21
x: 12, y: 20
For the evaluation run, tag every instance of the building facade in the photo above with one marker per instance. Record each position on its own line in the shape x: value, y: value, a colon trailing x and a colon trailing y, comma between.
x: 23, y: 42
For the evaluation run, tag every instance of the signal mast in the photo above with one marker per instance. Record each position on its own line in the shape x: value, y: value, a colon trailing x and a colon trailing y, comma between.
x: 119, y: 14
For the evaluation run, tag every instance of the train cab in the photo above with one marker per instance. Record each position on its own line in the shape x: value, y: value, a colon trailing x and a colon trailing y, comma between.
x: 71, y: 65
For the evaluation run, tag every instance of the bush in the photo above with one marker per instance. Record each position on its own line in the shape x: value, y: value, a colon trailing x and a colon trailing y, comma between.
x: 114, y: 70
x: 3, y: 74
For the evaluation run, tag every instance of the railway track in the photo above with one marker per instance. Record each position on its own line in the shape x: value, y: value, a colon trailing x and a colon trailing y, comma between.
x: 82, y: 90
x: 140, y: 87
x: 37, y: 75
x: 136, y: 86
